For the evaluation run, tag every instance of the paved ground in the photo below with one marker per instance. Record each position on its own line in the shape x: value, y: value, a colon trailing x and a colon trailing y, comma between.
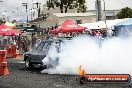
x: 20, y: 77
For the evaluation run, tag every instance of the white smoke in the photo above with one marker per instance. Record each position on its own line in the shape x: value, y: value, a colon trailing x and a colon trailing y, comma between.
x: 112, y: 57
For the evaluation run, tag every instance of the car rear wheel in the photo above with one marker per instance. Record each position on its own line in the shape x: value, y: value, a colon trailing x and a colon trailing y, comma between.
x: 28, y: 64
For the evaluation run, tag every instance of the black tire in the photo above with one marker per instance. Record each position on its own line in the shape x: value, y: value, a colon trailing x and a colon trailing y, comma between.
x: 82, y: 80
x: 28, y: 64
x: 45, y: 67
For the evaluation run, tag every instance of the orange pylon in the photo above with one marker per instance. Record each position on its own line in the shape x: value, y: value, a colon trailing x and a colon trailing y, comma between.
x: 3, y: 64
x: 81, y: 71
x: 17, y: 55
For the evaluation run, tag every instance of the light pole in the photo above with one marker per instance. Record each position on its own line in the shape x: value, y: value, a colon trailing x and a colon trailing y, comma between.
x: 98, y: 10
x: 38, y: 8
x: 26, y: 4
x: 1, y: 0
x: 32, y: 12
x: 105, y: 14
x: 4, y: 14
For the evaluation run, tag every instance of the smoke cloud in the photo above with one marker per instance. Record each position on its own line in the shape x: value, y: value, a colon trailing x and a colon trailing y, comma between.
x: 110, y: 56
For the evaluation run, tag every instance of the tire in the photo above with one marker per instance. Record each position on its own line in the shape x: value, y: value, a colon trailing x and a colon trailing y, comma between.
x: 82, y: 80
x: 45, y: 66
x: 28, y: 64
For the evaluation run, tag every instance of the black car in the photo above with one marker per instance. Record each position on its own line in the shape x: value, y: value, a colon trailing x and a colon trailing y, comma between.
x: 36, y: 56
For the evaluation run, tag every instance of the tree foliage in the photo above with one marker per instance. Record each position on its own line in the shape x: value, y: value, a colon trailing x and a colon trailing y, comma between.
x: 125, y: 13
x: 64, y: 5
x: 2, y: 20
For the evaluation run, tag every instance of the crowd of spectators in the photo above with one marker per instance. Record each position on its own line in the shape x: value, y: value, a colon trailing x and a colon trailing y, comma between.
x: 25, y: 43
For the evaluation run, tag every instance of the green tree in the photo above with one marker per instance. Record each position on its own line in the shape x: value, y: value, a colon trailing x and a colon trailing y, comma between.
x: 81, y: 6
x: 64, y: 5
x: 2, y: 20
x: 125, y: 13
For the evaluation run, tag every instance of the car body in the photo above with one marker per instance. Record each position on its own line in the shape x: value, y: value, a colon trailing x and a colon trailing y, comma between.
x: 36, y: 56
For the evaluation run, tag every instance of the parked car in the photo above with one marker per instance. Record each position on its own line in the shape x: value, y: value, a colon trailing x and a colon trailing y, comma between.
x: 35, y: 57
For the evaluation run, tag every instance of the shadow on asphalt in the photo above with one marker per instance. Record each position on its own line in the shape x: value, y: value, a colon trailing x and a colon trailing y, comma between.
x: 14, y: 66
x: 1, y: 86
x: 33, y: 70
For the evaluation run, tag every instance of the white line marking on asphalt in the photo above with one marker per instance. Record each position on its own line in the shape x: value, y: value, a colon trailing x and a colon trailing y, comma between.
x: 60, y: 86
x: 57, y: 85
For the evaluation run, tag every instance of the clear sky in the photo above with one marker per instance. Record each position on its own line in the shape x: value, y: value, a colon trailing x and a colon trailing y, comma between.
x: 110, y: 4
x: 15, y: 10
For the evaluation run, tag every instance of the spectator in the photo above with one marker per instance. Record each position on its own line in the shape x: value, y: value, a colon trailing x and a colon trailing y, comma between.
x: 56, y: 26
x: 0, y: 45
x: 4, y: 42
x: 34, y: 41
x: 110, y: 33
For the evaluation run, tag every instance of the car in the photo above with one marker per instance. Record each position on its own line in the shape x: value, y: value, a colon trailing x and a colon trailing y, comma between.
x: 38, y: 54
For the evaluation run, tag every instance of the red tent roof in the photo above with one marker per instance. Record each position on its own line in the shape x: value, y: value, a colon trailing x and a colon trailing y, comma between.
x: 68, y: 26
x: 55, y: 31
x: 7, y: 31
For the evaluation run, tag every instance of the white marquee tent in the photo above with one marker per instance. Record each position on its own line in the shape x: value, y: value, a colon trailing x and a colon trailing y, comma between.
x: 102, y: 24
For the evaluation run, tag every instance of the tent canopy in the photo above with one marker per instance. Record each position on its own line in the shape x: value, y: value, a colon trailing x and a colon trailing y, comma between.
x: 126, y: 24
x: 7, y: 31
x: 101, y: 24
x: 68, y: 26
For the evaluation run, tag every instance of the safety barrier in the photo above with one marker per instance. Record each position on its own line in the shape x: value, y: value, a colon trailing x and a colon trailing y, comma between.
x: 3, y: 64
x: 12, y: 52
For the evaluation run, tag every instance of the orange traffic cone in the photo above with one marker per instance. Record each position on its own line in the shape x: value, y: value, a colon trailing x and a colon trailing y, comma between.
x: 3, y: 63
x: 2, y: 55
x: 17, y: 55
x: 3, y: 69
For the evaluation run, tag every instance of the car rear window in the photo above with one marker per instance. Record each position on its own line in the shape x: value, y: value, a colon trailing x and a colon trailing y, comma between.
x: 46, y: 46
x: 40, y: 46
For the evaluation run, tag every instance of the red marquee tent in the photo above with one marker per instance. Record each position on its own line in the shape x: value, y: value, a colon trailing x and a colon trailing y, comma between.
x: 68, y: 26
x: 7, y: 31
x: 54, y: 31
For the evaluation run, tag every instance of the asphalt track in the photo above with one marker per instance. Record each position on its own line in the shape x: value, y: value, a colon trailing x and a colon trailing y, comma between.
x: 20, y: 77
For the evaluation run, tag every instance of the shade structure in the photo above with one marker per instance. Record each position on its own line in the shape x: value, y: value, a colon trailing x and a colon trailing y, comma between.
x: 7, y: 31
x: 102, y: 24
x: 55, y: 31
x: 68, y: 26
x: 126, y: 24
